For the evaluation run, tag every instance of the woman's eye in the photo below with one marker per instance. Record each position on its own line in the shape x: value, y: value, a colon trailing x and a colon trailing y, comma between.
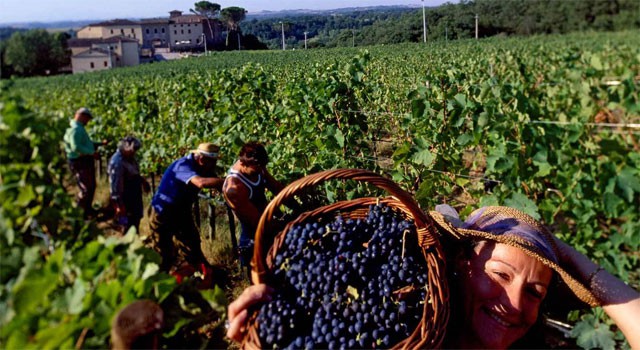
x: 535, y: 293
x: 501, y: 275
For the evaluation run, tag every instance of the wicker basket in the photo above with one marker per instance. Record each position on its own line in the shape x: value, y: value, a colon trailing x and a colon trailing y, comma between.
x: 429, y: 333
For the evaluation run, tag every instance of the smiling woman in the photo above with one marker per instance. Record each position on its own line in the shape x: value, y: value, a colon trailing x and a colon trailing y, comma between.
x: 504, y: 264
x: 509, y: 287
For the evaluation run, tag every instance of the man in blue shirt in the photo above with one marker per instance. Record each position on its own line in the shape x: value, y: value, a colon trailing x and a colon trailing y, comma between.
x: 171, y: 206
x: 81, y: 152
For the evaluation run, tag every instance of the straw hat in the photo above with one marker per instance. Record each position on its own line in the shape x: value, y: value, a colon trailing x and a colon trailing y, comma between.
x: 208, y: 150
x: 515, y: 228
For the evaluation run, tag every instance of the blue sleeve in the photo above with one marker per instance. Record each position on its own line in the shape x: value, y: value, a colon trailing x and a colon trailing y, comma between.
x: 184, y: 171
x: 116, y: 178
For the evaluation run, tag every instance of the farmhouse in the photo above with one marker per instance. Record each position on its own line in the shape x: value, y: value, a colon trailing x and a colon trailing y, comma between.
x: 121, y: 42
x: 155, y: 33
x: 91, y: 54
x: 91, y: 60
x: 116, y: 27
x: 189, y: 32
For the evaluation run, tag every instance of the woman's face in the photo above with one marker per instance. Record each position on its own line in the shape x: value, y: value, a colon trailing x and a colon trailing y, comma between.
x: 502, y: 291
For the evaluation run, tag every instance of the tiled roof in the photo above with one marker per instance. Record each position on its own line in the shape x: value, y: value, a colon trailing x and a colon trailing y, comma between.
x: 90, y: 41
x: 187, y: 19
x: 114, y: 22
x: 154, y: 21
x: 94, y: 52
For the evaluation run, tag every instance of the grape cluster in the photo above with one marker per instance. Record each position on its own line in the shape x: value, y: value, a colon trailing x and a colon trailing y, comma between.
x: 354, y: 283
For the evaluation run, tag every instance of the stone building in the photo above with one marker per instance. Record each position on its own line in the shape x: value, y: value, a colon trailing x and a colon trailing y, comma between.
x: 98, y: 53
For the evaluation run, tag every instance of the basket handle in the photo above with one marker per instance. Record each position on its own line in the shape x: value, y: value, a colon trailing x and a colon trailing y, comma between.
x: 258, y: 263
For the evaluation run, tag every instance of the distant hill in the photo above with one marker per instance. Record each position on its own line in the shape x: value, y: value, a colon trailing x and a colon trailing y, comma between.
x: 306, y: 12
x: 6, y: 32
x: 64, y: 25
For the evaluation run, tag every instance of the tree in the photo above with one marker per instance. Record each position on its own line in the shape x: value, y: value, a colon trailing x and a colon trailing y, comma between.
x: 35, y: 52
x: 207, y: 9
x: 251, y: 42
x: 232, y: 16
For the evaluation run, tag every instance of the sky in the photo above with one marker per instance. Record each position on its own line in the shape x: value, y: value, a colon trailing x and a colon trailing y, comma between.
x: 18, y: 11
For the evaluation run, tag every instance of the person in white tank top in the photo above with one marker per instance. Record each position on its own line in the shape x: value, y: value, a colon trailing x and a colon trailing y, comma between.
x: 244, y: 190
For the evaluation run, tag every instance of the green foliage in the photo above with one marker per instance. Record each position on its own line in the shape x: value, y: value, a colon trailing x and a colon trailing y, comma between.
x: 206, y: 8
x: 232, y: 16
x: 31, y: 194
x: 35, y: 52
x: 451, y: 21
x: 63, y: 291
x: 492, y: 122
x: 591, y: 333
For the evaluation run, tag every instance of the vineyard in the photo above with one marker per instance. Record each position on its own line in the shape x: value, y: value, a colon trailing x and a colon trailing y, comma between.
x: 549, y: 125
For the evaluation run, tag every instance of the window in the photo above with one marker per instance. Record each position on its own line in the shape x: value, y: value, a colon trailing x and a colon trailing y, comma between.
x: 188, y: 25
x: 181, y: 31
x: 105, y: 63
x: 111, y: 31
x: 175, y: 32
x: 132, y: 30
x: 189, y: 31
x: 162, y: 30
x: 182, y: 25
x: 92, y: 65
x: 147, y: 30
x: 122, y: 31
x: 155, y: 31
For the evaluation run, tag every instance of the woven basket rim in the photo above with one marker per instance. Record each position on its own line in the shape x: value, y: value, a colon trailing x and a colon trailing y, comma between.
x: 430, y: 330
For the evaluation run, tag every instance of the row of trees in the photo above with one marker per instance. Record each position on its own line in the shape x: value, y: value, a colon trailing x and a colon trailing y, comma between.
x: 230, y: 17
x: 33, y: 52
x: 448, y: 22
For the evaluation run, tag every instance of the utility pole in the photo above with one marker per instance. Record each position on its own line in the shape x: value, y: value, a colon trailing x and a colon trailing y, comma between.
x: 305, y: 40
x: 446, y: 34
x: 239, y: 41
x: 476, y: 26
x: 353, y: 38
x: 424, y: 24
x: 282, y: 26
x: 204, y: 40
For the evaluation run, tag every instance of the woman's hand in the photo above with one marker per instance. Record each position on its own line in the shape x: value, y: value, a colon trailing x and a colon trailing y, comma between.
x: 619, y: 301
x: 237, y: 312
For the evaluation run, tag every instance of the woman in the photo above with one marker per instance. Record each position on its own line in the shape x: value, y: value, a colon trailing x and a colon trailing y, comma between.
x: 126, y: 184
x: 503, y: 266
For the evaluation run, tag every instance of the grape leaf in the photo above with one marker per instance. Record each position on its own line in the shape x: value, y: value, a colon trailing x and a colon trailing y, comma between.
x: 593, y: 335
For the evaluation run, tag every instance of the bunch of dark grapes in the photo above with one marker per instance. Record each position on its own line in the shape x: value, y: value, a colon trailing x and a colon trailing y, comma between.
x: 346, y: 284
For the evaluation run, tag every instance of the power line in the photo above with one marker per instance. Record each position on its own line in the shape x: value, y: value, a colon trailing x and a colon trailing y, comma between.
x: 609, y: 125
